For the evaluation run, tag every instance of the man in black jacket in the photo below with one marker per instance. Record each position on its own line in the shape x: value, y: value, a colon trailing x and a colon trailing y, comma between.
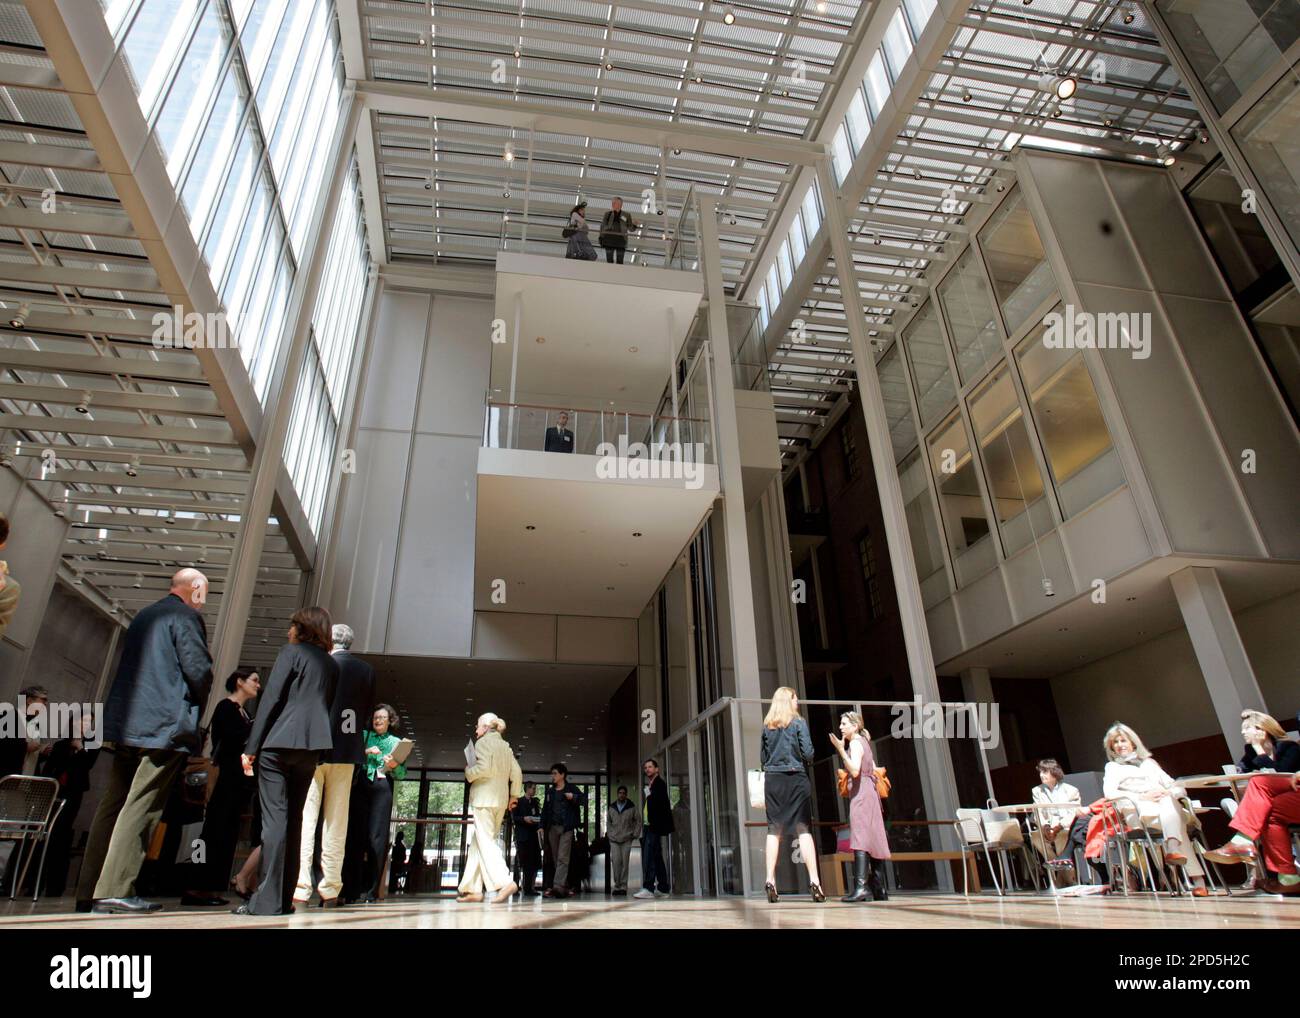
x: 331, y: 787
x: 526, y: 819
x: 561, y: 816
x: 559, y: 438
x: 152, y: 716
x: 658, y: 824
x: 614, y: 228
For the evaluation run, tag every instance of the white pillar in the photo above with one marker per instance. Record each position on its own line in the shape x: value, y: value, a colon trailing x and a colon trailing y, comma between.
x: 938, y: 781
x: 977, y: 687
x: 740, y: 590
x: 1219, y: 650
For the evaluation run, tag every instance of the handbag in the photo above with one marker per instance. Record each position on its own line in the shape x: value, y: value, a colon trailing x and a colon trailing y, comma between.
x: 842, y: 783
x: 567, y: 232
x: 757, y: 789
x: 883, y: 784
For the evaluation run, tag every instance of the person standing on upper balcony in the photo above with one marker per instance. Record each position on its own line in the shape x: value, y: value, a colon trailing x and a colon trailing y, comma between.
x: 575, y: 232
x: 614, y: 228
x: 559, y: 438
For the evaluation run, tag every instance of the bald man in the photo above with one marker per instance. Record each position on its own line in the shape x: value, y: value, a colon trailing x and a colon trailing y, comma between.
x: 152, y: 718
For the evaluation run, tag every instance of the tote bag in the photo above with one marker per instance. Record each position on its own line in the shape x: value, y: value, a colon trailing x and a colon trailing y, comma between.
x: 757, y: 792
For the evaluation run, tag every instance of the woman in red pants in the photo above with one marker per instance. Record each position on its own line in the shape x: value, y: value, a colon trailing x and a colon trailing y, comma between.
x: 1270, y: 804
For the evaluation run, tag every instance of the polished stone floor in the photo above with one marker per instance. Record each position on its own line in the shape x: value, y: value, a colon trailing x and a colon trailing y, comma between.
x: 903, y: 911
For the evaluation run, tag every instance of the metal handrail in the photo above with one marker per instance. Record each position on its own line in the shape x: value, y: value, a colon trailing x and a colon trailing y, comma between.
x: 606, y: 410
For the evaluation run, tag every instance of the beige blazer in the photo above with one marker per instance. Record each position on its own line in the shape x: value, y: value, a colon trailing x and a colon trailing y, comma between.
x: 9, y: 595
x: 495, y: 777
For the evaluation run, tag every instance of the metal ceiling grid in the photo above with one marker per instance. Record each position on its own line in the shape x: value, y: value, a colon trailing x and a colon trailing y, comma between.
x: 123, y: 439
x: 980, y: 98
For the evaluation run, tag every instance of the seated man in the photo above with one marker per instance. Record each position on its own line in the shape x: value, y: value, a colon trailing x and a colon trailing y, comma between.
x: 1271, y: 803
x: 1052, y: 826
x: 559, y: 438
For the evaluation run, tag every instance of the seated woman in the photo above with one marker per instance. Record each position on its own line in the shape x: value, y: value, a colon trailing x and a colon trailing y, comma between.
x: 1051, y: 832
x: 1271, y: 803
x: 1133, y: 774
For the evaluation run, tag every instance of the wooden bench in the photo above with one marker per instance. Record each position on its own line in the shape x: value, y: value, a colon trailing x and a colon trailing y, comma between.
x: 832, y: 872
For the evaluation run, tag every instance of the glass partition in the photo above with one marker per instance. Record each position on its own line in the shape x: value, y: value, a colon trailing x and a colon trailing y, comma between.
x: 972, y: 322
x: 1017, y: 263
x: 1269, y: 136
x: 1076, y: 442
x: 1010, y: 470
x: 931, y: 375
x: 1230, y: 43
x: 923, y: 530
x: 898, y: 407
x: 960, y: 504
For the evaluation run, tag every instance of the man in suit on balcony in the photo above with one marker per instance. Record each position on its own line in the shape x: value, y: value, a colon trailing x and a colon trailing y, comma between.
x: 559, y: 438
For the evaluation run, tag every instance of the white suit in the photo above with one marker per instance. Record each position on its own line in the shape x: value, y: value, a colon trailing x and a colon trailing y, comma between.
x: 494, y: 779
x: 1139, y: 780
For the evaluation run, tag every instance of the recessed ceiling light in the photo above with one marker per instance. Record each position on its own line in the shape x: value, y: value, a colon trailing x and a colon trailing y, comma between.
x: 609, y: 67
x: 529, y: 526
x: 633, y: 349
x: 541, y: 339
x: 636, y: 533
x: 729, y: 17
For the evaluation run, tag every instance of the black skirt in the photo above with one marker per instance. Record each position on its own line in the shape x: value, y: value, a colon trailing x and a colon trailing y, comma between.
x: 788, y: 798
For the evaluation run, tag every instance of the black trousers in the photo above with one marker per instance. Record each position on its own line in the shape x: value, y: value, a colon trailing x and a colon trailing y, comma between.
x: 614, y: 254
x: 379, y: 799
x: 528, y: 856
x: 220, y: 832
x: 283, y: 781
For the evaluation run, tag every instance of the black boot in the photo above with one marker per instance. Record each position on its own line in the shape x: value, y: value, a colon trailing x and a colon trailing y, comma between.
x: 878, y: 892
x: 859, y: 878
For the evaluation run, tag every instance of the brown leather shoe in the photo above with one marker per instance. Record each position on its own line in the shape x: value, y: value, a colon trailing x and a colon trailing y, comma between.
x: 1273, y: 886
x: 331, y: 903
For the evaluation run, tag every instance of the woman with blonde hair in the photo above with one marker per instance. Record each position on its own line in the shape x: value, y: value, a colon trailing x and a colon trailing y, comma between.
x: 1133, y: 774
x: 785, y: 753
x: 866, y: 821
x: 495, y: 784
x: 1269, y: 806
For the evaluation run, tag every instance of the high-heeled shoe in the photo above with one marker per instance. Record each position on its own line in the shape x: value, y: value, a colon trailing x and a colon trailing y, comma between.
x: 818, y: 895
x: 234, y: 886
x: 772, y: 896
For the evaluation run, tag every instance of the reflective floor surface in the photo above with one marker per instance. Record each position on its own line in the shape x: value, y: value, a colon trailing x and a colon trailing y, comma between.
x: 904, y: 911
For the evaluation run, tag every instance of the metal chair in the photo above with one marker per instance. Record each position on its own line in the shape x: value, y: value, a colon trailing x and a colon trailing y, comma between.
x: 973, y: 835
x: 29, y: 807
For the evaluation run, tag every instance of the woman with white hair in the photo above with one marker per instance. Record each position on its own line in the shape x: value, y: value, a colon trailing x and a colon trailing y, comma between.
x: 495, y: 784
x: 1132, y: 774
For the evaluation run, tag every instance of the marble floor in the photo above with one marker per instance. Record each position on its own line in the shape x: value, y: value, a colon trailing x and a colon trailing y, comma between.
x: 903, y: 911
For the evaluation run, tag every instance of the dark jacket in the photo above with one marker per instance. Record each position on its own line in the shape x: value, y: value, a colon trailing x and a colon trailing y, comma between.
x: 788, y: 750
x: 355, y: 692
x: 614, y: 227
x: 162, y: 681
x: 558, y: 441
x: 293, y: 711
x: 658, y: 808
x: 558, y: 811
x: 526, y: 833
x: 70, y: 768
x: 1286, y: 757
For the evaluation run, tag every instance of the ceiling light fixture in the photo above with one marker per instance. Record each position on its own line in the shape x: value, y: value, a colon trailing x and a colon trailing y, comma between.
x: 729, y: 17
x: 84, y: 406
x: 509, y: 154
x: 1063, y: 86
x: 20, y: 319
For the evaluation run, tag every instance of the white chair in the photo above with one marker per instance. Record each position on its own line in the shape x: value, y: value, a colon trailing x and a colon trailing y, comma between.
x: 993, y: 833
x: 29, y: 807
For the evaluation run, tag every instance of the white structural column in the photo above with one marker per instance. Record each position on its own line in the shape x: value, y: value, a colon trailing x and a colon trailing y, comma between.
x: 938, y: 780
x: 740, y: 587
x: 247, y: 553
x: 977, y: 687
x: 1219, y: 650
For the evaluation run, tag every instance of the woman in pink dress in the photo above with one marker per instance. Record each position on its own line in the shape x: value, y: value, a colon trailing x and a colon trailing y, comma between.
x: 866, y: 822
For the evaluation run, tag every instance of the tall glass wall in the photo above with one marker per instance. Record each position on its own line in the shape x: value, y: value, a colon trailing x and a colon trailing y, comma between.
x: 997, y: 436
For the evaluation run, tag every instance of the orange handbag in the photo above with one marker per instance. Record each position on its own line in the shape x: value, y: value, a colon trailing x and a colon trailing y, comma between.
x: 882, y: 783
x: 842, y: 783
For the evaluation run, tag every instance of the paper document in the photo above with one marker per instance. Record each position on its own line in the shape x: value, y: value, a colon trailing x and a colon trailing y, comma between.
x: 402, y: 750
x: 471, y: 758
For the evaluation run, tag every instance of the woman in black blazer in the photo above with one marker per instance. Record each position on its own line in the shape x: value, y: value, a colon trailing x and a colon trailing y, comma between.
x: 291, y: 729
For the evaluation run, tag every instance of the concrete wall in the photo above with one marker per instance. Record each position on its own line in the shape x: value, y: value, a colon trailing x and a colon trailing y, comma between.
x: 405, y: 574
x: 1159, y: 690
